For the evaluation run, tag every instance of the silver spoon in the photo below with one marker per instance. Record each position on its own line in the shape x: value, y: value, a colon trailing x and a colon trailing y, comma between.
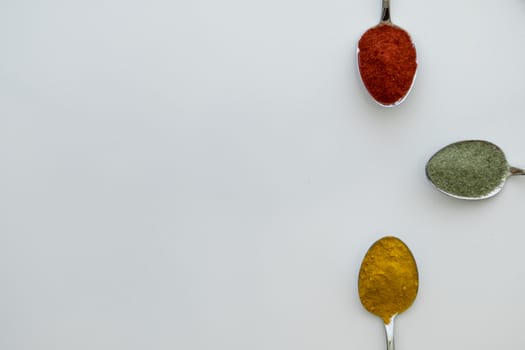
x: 388, y: 76
x: 471, y: 169
x: 388, y: 281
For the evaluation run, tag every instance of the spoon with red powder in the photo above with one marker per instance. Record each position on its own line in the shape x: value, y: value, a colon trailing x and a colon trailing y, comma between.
x: 387, y: 61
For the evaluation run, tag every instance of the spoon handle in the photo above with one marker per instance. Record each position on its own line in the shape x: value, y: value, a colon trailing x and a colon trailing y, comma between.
x: 385, y: 16
x: 390, y: 334
x: 516, y: 171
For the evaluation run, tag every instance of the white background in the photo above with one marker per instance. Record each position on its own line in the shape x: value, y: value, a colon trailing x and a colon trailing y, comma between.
x: 209, y: 174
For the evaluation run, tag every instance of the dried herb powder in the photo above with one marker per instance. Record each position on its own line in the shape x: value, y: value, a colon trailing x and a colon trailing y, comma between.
x: 468, y: 169
x: 387, y: 63
x: 388, y: 278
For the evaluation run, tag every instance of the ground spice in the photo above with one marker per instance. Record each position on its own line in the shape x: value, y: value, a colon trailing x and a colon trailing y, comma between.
x: 388, y: 278
x: 387, y: 63
x: 468, y: 169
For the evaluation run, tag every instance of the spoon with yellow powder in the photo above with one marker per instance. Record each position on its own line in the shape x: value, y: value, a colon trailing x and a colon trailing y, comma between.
x: 388, y: 281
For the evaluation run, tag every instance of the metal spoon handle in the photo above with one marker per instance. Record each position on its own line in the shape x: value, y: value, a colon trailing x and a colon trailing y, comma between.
x: 516, y: 171
x: 385, y: 16
x: 390, y: 334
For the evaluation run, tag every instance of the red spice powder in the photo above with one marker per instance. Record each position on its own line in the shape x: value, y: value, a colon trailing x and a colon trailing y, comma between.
x: 387, y: 63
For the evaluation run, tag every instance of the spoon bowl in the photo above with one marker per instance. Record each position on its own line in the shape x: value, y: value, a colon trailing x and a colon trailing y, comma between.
x: 470, y: 169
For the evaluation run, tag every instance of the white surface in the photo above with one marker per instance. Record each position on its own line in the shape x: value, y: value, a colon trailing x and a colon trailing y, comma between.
x: 209, y: 174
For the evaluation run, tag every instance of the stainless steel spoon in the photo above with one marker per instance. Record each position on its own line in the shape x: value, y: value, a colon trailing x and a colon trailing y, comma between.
x: 388, y: 76
x: 470, y: 169
x: 388, y: 282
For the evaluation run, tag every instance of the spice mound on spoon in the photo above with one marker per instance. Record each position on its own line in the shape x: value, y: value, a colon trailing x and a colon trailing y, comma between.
x: 471, y: 169
x: 388, y: 281
x: 387, y: 61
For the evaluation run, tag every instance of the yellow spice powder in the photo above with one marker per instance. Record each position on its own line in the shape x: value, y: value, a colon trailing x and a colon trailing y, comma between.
x: 388, y: 278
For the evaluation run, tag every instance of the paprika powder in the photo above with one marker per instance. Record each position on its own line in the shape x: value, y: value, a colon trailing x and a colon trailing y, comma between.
x: 387, y: 63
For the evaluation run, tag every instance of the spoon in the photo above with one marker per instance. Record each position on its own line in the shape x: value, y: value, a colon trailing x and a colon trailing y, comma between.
x: 471, y: 169
x: 388, y: 282
x: 387, y: 61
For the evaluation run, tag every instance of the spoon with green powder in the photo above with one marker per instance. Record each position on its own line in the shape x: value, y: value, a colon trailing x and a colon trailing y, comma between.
x: 388, y: 281
x: 471, y: 169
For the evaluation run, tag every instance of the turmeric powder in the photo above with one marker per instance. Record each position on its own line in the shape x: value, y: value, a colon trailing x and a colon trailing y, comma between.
x: 388, y: 278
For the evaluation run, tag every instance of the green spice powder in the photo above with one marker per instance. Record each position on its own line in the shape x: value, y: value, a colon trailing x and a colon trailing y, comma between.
x: 470, y: 169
